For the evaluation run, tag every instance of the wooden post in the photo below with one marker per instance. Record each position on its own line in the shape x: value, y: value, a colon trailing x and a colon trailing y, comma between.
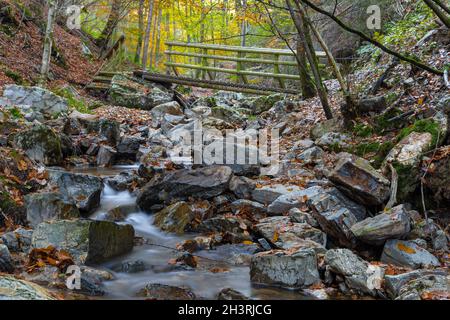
x: 239, y: 67
x: 169, y: 59
x: 276, y: 70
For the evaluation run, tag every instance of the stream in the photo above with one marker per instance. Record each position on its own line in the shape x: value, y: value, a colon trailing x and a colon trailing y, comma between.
x: 155, y: 253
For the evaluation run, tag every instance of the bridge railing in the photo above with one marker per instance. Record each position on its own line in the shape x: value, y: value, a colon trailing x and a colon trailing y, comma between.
x: 203, y: 66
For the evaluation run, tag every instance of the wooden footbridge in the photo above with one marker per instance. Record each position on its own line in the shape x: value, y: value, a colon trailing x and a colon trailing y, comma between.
x: 228, y: 68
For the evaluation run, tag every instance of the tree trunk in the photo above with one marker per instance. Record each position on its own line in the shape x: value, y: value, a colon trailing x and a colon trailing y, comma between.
x: 306, y: 83
x: 48, y: 40
x: 158, y: 38
x: 137, y: 57
x: 311, y: 56
x: 147, y: 36
x: 111, y: 24
x: 437, y: 10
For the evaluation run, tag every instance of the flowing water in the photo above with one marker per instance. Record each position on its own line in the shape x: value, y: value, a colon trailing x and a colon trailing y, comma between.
x: 155, y: 252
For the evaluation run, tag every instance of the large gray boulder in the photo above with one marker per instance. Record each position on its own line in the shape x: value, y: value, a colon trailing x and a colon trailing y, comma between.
x: 49, y: 206
x: 109, y: 131
x: 6, y: 264
x: 285, y: 234
x: 336, y: 214
x: 128, y: 148
x: 295, y: 199
x: 40, y: 143
x: 297, y: 269
x: 355, y: 270
x: 16, y: 289
x: 133, y: 93
x: 169, y: 108
x: 41, y: 100
x: 202, y: 183
x: 18, y: 240
x: 357, y: 179
x: 84, y: 190
x: 411, y: 285
x: 408, y: 254
x: 268, y: 194
x: 87, y: 241
x: 392, y: 224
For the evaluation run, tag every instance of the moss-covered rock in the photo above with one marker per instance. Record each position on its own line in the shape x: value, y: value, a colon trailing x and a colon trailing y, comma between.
x: 87, y: 241
x: 16, y: 289
x: 176, y: 218
x: 40, y: 143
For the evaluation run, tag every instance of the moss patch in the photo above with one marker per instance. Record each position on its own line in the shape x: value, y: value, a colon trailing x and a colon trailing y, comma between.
x: 421, y: 126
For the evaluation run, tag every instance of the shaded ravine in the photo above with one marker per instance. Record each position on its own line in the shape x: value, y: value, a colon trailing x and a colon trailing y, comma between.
x: 155, y: 253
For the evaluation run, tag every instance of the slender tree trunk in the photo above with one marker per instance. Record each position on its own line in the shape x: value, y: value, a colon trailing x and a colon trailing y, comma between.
x: 158, y: 39
x: 306, y: 83
x: 311, y: 56
x: 48, y: 40
x: 244, y: 24
x: 444, y: 6
x: 147, y: 36
x: 153, y: 41
x: 137, y: 57
x: 111, y: 24
x: 437, y: 10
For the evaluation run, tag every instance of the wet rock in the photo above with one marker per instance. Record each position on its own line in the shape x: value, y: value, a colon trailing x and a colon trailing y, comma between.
x: 128, y: 149
x: 18, y: 240
x: 425, y: 288
x: 336, y: 214
x: 133, y: 266
x: 15, y: 289
x: 106, y: 156
x: 395, y: 284
x: 285, y: 234
x: 392, y: 224
x: 175, y: 218
x: 233, y: 228
x: 120, y: 213
x: 6, y: 264
x: 300, y: 216
x: 84, y: 190
x: 268, y: 194
x: 408, y: 254
x: 49, y: 206
x: 311, y: 156
x: 357, y: 179
x: 405, y: 157
x: 133, y: 93
x: 109, y: 131
x: 41, y: 100
x: 41, y: 144
x: 157, y: 291
x: 242, y: 187
x: 122, y: 181
x: 297, y: 269
x: 333, y: 140
x: 252, y: 207
x: 294, y: 199
x: 231, y: 294
x: 355, y: 270
x: 202, y: 183
x: 86, y: 241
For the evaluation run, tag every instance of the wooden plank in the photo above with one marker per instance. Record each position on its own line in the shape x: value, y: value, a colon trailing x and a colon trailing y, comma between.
x: 282, y: 52
x: 276, y: 70
x: 231, y: 58
x: 231, y: 71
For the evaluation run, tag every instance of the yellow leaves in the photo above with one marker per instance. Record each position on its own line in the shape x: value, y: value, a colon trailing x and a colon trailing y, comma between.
x: 275, y: 236
x: 22, y: 165
x: 219, y: 270
x: 247, y: 242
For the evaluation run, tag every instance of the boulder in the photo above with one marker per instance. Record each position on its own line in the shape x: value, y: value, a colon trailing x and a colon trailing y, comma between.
x: 84, y: 190
x: 320, y: 129
x: 400, y: 284
x: 18, y: 240
x: 405, y: 157
x: 235, y: 229
x: 392, y: 224
x: 201, y: 183
x: 109, y: 131
x: 408, y: 254
x: 41, y: 144
x: 356, y: 271
x: 437, y: 180
x: 122, y: 181
x: 133, y: 93
x: 256, y: 209
x: 231, y: 294
x: 336, y: 214
x: 357, y: 179
x: 106, y: 156
x: 268, y: 194
x: 292, y: 269
x: 265, y: 103
x: 41, y: 100
x: 311, y: 155
x: 169, y: 108
x: 128, y: 148
x: 6, y: 264
x: 15, y: 289
x: 285, y: 234
x: 176, y: 218
x: 49, y: 206
x: 333, y: 140
x: 295, y: 199
x: 156, y: 291
x: 87, y: 241
x: 242, y: 187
